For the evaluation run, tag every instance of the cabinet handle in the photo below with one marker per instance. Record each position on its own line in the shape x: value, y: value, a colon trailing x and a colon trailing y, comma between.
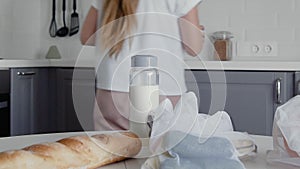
x: 25, y: 73
x: 278, y: 91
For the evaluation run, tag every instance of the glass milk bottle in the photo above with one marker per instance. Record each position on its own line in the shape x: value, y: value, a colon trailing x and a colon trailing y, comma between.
x: 143, y: 92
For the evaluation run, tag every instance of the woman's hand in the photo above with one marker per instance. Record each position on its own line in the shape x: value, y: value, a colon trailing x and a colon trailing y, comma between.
x: 201, y: 27
x: 192, y: 34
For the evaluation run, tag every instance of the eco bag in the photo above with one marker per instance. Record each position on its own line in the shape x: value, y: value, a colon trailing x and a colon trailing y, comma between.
x: 286, y: 134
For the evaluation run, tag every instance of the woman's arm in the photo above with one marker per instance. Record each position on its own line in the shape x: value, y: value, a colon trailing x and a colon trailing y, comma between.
x: 191, y: 32
x: 89, y: 28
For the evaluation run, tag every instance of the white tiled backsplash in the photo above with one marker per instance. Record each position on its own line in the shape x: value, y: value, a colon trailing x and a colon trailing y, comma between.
x: 24, y: 25
x: 256, y: 21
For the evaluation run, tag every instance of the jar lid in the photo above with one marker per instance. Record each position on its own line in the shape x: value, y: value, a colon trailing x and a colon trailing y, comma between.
x: 222, y: 35
x: 143, y: 61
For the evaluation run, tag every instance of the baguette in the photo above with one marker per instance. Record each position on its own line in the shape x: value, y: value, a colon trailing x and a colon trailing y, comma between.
x: 74, y: 152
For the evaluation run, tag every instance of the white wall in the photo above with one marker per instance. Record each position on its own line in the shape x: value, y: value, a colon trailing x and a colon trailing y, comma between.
x: 19, y: 28
x: 24, y: 25
x: 69, y: 47
x: 24, y: 28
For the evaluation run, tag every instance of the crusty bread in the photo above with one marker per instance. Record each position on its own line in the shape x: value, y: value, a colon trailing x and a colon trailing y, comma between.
x: 74, y: 152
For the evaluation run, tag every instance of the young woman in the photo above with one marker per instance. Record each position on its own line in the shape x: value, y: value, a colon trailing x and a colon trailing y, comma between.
x: 164, y: 28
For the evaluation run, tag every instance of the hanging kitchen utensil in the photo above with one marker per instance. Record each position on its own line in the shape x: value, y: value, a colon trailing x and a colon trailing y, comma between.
x: 74, y: 28
x: 64, y: 31
x: 53, y: 27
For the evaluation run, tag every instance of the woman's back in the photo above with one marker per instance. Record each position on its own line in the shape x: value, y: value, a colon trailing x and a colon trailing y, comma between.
x: 155, y: 29
x: 156, y: 33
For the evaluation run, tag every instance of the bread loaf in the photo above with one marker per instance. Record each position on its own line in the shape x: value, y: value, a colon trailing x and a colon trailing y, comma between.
x: 74, y: 152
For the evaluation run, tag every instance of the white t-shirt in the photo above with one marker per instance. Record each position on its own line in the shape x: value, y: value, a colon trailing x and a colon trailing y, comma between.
x: 156, y: 33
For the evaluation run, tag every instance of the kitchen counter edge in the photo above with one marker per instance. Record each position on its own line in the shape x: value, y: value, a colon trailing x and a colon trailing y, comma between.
x: 189, y: 64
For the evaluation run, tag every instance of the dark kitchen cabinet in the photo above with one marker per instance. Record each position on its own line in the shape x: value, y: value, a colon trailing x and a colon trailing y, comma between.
x: 250, y: 97
x: 29, y: 104
x: 297, y: 83
x: 45, y: 118
x: 75, y: 99
x: 46, y: 100
x: 4, y: 81
x: 4, y: 103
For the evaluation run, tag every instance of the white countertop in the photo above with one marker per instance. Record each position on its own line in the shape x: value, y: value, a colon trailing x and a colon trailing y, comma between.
x: 264, y: 143
x: 245, y: 65
x: 190, y: 64
x: 20, y: 63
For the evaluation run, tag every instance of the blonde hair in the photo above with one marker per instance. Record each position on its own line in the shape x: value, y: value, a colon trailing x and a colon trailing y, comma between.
x: 114, y: 34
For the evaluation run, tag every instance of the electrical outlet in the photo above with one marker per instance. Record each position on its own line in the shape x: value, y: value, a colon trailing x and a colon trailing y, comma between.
x: 258, y: 49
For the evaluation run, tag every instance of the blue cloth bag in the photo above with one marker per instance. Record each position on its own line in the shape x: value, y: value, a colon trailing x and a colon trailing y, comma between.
x: 211, y: 153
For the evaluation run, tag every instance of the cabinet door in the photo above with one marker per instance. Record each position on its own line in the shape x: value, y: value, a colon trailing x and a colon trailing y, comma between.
x: 23, y: 94
x: 75, y: 96
x: 297, y: 83
x: 4, y: 81
x: 4, y: 103
x: 250, y: 98
x: 4, y: 115
x: 43, y: 118
x: 29, y: 101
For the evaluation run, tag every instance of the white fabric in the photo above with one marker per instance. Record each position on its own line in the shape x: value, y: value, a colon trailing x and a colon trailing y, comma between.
x: 166, y: 118
x: 157, y: 33
x: 289, y: 123
x: 185, y: 118
x: 180, y: 7
x: 174, y: 127
x: 287, y: 126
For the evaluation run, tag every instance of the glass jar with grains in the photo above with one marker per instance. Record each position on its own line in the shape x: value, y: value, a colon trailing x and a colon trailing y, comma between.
x: 223, y: 45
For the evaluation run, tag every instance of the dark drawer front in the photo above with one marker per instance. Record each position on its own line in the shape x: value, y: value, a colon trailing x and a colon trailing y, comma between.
x: 4, y: 81
x: 4, y: 115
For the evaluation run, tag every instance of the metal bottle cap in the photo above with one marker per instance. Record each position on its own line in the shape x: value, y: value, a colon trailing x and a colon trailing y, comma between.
x: 143, y: 61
